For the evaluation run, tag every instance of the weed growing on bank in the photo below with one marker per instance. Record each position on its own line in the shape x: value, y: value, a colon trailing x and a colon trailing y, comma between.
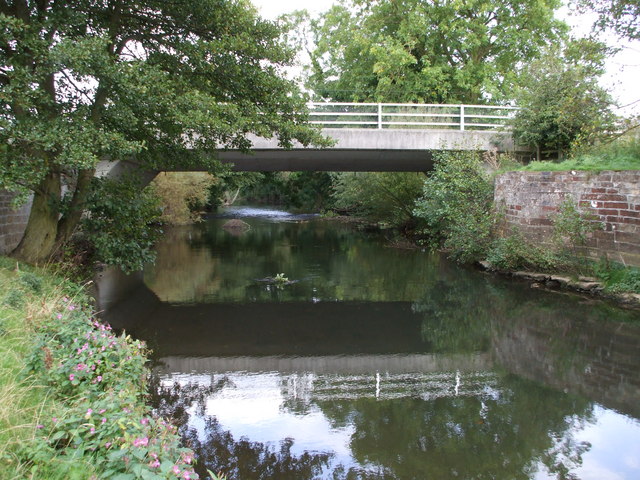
x: 72, y: 392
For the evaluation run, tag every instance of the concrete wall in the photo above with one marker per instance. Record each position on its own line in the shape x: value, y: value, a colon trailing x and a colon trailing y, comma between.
x: 531, y: 199
x: 12, y: 222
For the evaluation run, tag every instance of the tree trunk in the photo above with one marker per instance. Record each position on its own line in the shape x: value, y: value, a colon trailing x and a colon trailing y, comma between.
x: 38, y: 243
x: 67, y: 224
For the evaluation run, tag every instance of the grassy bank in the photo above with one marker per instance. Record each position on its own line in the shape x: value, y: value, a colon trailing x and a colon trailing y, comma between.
x: 621, y: 154
x: 72, y: 392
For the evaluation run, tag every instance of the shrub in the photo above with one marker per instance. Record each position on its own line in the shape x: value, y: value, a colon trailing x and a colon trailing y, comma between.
x: 618, y: 278
x: 513, y: 252
x: 457, y: 206
x: 380, y: 196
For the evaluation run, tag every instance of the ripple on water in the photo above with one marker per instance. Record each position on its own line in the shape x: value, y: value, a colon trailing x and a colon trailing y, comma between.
x: 261, y: 212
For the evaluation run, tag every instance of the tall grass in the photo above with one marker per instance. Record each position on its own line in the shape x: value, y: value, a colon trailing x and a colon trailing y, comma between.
x: 23, y: 399
x: 620, y: 154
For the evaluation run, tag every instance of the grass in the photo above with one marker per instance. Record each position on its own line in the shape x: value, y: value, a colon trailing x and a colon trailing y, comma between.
x: 621, y: 154
x: 23, y: 399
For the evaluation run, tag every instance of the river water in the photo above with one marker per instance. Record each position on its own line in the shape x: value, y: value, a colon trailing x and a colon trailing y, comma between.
x: 374, y: 362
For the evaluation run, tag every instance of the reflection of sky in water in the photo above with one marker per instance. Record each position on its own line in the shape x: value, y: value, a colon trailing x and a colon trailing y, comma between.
x: 617, y: 438
x: 261, y: 407
x: 261, y: 212
x: 252, y: 406
x: 615, y: 448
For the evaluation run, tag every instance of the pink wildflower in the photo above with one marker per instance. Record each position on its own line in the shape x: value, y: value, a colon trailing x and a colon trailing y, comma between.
x: 39, y: 426
x: 104, y: 420
x: 59, y: 316
x: 154, y: 463
x: 141, y: 442
x: 176, y: 469
x: 144, y: 421
x: 71, y: 377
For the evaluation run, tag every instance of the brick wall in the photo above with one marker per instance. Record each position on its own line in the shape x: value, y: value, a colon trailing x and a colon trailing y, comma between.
x: 530, y: 199
x: 12, y: 222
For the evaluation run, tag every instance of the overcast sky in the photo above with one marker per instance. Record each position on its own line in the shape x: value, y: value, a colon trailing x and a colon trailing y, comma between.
x: 623, y: 70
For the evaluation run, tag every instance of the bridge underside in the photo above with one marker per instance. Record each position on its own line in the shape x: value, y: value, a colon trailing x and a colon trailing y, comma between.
x: 333, y: 160
x: 367, y: 150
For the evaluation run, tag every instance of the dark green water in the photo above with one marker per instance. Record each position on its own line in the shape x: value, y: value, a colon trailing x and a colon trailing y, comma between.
x: 379, y: 363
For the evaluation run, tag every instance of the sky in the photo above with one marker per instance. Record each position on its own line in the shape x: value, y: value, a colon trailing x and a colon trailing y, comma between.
x: 623, y: 70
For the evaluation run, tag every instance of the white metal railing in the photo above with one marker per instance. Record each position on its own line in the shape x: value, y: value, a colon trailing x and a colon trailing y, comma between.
x: 411, y: 115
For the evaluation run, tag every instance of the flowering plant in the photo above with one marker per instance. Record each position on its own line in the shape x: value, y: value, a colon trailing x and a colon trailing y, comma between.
x: 107, y: 430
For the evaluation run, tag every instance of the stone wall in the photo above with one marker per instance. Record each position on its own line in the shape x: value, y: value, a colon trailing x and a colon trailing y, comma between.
x: 12, y: 222
x: 530, y: 199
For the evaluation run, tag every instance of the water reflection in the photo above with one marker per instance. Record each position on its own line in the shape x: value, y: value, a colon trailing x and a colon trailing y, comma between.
x: 380, y: 363
x: 303, y: 426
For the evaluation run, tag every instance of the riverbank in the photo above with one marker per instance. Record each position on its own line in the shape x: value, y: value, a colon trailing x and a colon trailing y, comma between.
x: 72, y: 392
x: 590, y: 286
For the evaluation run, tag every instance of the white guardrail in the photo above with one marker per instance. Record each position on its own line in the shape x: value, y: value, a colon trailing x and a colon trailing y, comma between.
x: 410, y: 115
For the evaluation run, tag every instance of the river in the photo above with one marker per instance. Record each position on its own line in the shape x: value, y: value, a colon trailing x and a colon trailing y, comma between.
x: 363, y: 361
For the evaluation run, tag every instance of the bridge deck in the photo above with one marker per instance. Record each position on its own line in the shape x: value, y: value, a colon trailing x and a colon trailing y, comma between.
x: 367, y: 150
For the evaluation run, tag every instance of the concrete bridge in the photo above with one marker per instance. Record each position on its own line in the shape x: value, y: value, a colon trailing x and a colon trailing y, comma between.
x: 378, y: 137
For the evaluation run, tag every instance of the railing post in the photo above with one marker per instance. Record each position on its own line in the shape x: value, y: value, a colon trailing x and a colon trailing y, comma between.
x: 462, y: 118
x: 379, y: 116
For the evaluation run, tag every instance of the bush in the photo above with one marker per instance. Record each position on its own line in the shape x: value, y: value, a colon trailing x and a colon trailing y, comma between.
x: 513, y: 252
x: 105, y: 430
x: 618, y: 278
x: 457, y: 206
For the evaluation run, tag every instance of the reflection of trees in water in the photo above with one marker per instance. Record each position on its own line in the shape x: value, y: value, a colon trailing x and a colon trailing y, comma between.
x: 217, y: 450
x: 504, y: 433
x: 501, y: 436
x: 457, y: 311
x: 209, y: 264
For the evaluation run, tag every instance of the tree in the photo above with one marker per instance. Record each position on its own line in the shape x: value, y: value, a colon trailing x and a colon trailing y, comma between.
x: 164, y: 83
x: 426, y: 50
x: 561, y: 102
x: 622, y: 16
